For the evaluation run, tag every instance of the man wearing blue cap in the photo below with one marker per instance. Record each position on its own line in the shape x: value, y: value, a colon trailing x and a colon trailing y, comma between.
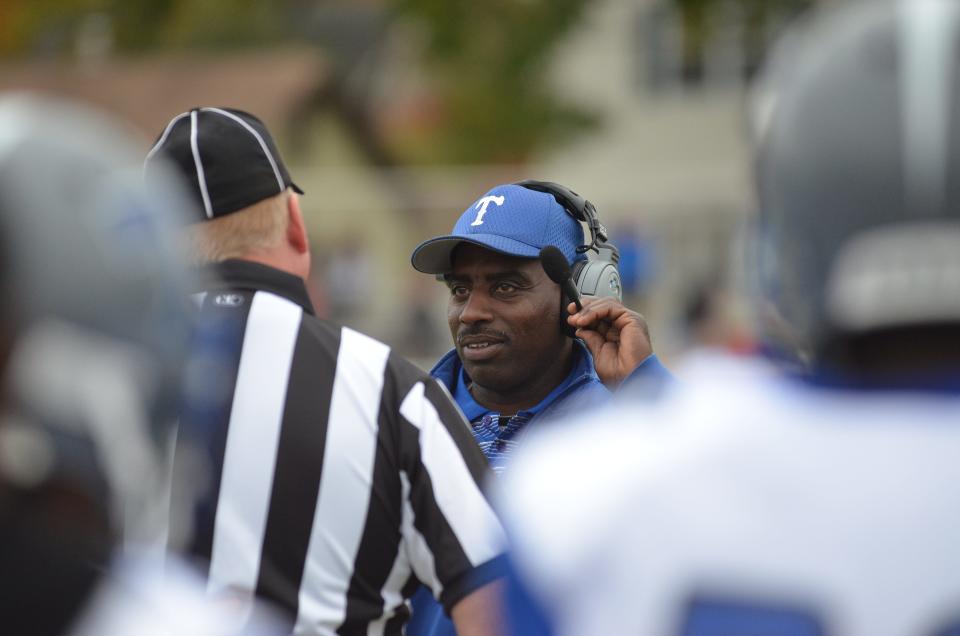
x: 514, y: 361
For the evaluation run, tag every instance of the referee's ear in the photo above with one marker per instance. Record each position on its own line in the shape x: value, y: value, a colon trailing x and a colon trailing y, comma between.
x: 296, y: 228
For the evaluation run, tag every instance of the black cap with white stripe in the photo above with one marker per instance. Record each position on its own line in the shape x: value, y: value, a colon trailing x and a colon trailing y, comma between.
x: 228, y: 157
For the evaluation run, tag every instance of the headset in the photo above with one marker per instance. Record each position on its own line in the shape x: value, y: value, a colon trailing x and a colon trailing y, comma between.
x: 597, y: 276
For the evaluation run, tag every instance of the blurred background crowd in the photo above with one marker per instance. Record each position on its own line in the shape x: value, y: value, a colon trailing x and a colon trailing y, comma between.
x: 395, y: 114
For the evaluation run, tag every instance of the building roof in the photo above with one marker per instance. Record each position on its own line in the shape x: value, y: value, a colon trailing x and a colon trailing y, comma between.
x: 148, y: 91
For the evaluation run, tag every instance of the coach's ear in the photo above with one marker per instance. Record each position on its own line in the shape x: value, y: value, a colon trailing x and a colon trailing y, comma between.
x: 296, y: 228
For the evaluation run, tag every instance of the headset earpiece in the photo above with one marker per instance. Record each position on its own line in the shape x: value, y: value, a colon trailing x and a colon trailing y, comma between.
x: 594, y: 279
x: 598, y: 278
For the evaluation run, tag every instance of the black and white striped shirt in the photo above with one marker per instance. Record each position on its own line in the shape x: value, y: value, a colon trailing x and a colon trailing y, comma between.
x: 343, y: 475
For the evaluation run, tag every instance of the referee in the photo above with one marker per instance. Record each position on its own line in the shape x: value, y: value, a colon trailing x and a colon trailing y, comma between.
x: 342, y: 476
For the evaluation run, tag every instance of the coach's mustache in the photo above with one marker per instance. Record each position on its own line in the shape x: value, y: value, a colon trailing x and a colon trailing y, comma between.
x: 464, y: 336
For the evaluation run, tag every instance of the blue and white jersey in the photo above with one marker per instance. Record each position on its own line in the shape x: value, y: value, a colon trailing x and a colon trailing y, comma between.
x: 741, y: 503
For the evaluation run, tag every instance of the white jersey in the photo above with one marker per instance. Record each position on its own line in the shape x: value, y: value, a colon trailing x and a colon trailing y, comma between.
x: 143, y: 596
x: 744, y: 498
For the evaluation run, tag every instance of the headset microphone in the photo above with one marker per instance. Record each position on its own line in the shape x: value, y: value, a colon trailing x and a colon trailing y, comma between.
x: 556, y: 266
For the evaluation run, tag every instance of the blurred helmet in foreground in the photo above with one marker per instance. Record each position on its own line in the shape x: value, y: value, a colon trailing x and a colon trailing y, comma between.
x: 856, y: 125
x: 93, y: 323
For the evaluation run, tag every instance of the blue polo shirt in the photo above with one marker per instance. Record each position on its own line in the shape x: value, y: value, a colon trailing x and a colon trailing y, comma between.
x: 497, y: 433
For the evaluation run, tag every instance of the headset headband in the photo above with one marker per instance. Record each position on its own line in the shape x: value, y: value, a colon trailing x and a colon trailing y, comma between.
x: 577, y: 207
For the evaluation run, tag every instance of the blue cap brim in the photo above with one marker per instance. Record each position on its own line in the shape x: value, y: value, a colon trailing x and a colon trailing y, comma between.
x: 435, y: 256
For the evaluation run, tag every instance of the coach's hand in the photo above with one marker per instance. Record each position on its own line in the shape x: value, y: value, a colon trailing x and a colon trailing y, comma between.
x: 618, y: 338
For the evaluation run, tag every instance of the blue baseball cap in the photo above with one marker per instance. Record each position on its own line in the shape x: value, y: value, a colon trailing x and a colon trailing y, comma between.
x: 509, y: 219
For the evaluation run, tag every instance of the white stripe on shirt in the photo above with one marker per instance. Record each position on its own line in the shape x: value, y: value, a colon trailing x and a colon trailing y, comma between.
x: 251, y: 450
x: 345, y: 485
x: 461, y: 502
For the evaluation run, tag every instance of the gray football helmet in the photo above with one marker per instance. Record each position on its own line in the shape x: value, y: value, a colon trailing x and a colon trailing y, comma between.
x: 856, y: 126
x: 94, y: 321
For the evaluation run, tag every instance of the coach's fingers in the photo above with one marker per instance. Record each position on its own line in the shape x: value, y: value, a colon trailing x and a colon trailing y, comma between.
x: 594, y: 340
x: 590, y: 322
x: 600, y: 309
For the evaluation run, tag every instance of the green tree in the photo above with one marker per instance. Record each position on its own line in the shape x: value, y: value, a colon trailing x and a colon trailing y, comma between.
x: 486, y: 62
x: 49, y: 27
